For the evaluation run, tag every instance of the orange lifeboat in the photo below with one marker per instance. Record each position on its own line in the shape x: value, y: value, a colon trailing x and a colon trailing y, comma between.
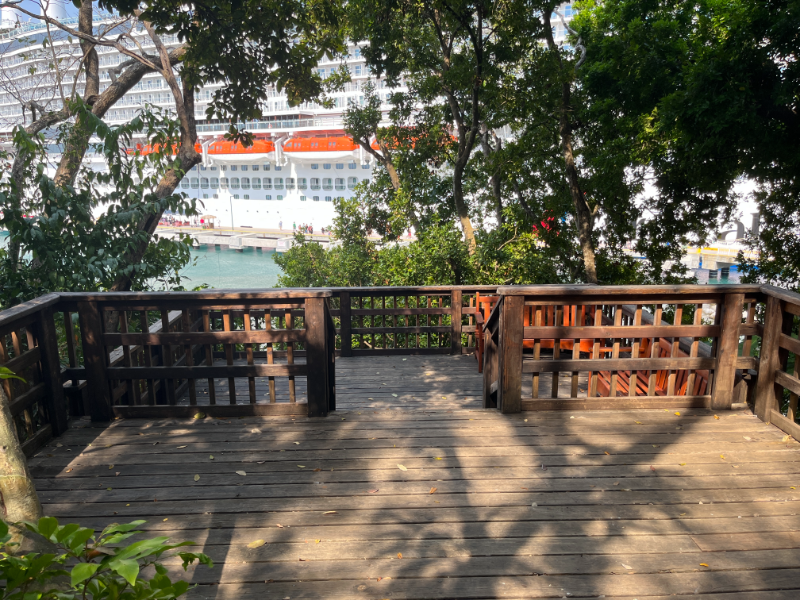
x: 224, y: 147
x: 321, y: 144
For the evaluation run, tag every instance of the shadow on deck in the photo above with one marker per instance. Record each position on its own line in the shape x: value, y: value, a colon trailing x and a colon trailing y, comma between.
x: 411, y: 490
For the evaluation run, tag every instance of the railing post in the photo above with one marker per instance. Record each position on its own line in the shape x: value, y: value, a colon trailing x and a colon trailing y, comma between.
x: 455, y: 322
x: 95, y: 359
x: 765, y: 396
x: 316, y: 357
x: 509, y: 396
x: 330, y: 349
x: 344, y: 318
x: 51, y: 371
x: 728, y: 351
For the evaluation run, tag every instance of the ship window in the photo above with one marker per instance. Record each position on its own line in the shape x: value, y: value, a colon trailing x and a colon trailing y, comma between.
x: 205, y: 196
x: 246, y: 197
x: 204, y: 183
x: 268, y: 197
x: 202, y: 167
x: 280, y: 197
x: 328, y: 199
x: 234, y: 183
x: 214, y: 183
x: 314, y: 166
x: 236, y: 196
x: 278, y: 183
x: 314, y: 183
x: 195, y: 183
x: 352, y: 165
x: 234, y: 168
x: 301, y: 183
x: 213, y: 168
x: 245, y: 183
x: 223, y: 183
x: 244, y: 167
x: 255, y: 167
x: 316, y: 198
x: 340, y: 166
x: 326, y: 166
x: 339, y: 183
x: 327, y: 183
x: 224, y: 167
x: 267, y: 183
x: 351, y: 182
x: 216, y: 195
x: 365, y: 166
x: 266, y: 166
x: 278, y: 167
x: 256, y: 182
x: 185, y: 183
x: 302, y: 198
x: 358, y: 70
x: 289, y: 183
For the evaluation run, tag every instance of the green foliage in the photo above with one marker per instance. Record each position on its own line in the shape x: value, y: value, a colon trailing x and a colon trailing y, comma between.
x: 6, y: 373
x: 88, y: 566
x: 79, y: 237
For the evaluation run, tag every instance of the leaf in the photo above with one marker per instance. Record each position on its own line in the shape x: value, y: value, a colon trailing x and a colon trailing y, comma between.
x: 167, y: 519
x: 747, y: 438
x: 786, y: 438
x: 256, y: 544
x: 329, y: 512
x: 200, y: 415
x: 638, y: 422
x: 683, y: 464
x: 652, y: 468
x: 242, y: 473
x: 432, y: 490
x: 608, y: 454
x: 297, y: 443
x: 628, y: 567
x: 716, y: 417
x: 110, y: 467
x: 317, y: 541
x: 399, y: 555
x: 127, y: 569
x: 375, y: 491
x: 395, y: 395
x: 301, y: 466
x: 81, y: 572
x: 279, y: 525
x: 438, y: 457
x: 722, y: 456
x: 402, y: 467
x: 703, y: 565
x: 179, y: 447
x: 197, y: 477
x: 211, y: 456
x: 678, y: 414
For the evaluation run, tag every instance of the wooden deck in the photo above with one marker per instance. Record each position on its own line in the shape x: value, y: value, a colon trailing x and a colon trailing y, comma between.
x: 616, y: 504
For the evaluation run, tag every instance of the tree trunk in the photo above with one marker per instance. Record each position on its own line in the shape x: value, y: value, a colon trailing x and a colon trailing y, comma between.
x: 17, y: 491
x: 494, y: 179
x: 461, y: 206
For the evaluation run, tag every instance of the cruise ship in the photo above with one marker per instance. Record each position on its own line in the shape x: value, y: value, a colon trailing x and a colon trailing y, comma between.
x: 301, y: 159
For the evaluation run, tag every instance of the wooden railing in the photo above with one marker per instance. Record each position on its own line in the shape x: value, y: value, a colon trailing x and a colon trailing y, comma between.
x: 272, y: 352
x: 406, y: 320
x: 567, y: 347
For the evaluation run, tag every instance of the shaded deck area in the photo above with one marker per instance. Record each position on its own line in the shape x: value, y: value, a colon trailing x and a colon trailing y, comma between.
x: 411, y: 490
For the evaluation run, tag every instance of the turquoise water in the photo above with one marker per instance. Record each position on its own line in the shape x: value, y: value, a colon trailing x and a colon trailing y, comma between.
x: 228, y: 269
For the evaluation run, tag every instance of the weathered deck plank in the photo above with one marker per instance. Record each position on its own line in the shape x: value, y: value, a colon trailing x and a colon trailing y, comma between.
x: 626, y: 504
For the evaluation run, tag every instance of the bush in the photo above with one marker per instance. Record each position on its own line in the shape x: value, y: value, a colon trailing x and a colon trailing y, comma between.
x: 86, y: 566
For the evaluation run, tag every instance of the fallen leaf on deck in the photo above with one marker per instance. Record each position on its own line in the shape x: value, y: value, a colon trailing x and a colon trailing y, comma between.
x: 399, y: 555
x: 167, y: 519
x: 279, y: 525
x: 703, y: 565
x: 434, y: 489
x: 301, y: 466
x: 200, y: 415
x: 298, y: 443
x: 110, y: 467
x: 116, y: 473
x: 395, y: 395
x: 109, y: 489
x: 317, y: 541
x: 793, y: 488
x: 716, y: 417
x: 211, y: 456
x: 655, y: 445
x: 608, y: 454
x: 683, y: 464
x: 197, y: 477
x: 179, y: 447
x: 638, y: 422
x: 373, y: 491
x: 616, y: 483
x: 256, y: 544
x: 242, y: 473
x: 722, y: 456
x: 69, y: 470
x: 624, y: 566
x: 747, y: 438
x: 652, y: 468
x: 402, y: 467
x: 329, y: 512
x: 678, y: 414
x: 315, y: 470
x: 785, y: 438
x: 438, y: 457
